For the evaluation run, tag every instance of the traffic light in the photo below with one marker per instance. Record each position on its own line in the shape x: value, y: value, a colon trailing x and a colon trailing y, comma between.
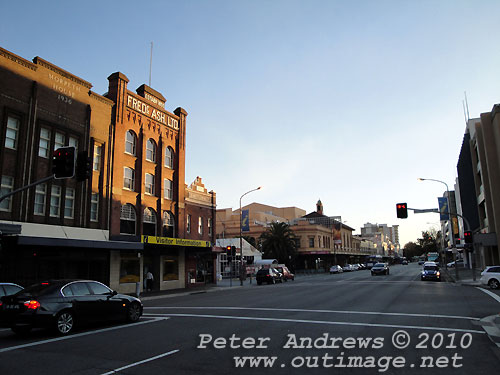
x: 468, y: 236
x: 63, y: 162
x: 402, y: 210
x: 83, y: 166
x: 229, y: 253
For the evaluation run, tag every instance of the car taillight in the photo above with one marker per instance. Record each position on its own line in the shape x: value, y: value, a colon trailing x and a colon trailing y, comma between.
x: 32, y: 305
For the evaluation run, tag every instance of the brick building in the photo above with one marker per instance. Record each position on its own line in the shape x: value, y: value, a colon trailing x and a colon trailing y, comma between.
x: 130, y: 217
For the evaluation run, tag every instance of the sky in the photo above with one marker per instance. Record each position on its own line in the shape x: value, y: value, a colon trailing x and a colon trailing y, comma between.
x: 344, y: 101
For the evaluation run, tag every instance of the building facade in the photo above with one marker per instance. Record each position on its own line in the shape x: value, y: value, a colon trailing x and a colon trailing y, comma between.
x: 130, y: 216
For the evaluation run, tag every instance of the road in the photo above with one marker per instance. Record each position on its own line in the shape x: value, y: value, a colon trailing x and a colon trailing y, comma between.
x: 351, y: 323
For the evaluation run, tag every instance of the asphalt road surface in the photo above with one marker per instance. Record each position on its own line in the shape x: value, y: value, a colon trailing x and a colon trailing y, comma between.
x: 350, y: 323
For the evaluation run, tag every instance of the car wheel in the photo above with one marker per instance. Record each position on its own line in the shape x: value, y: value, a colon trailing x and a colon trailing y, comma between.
x: 286, y: 279
x: 65, y: 322
x: 21, y: 330
x: 494, y: 284
x: 133, y: 312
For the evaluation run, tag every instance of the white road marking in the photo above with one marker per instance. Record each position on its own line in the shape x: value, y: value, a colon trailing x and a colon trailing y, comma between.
x: 141, y: 362
x: 321, y: 322
x: 314, y: 311
x: 10, y: 348
x: 490, y: 293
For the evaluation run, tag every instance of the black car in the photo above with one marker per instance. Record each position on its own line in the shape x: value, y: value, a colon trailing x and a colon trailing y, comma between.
x: 7, y: 289
x: 63, y: 304
x: 380, y: 269
x: 267, y: 275
x: 430, y: 272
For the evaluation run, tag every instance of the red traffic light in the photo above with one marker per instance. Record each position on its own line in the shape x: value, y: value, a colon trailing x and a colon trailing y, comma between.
x: 228, y: 248
x: 401, y: 210
x: 468, y: 236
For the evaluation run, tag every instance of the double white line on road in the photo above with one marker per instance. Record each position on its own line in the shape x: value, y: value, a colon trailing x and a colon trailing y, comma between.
x: 308, y: 310
x: 326, y: 322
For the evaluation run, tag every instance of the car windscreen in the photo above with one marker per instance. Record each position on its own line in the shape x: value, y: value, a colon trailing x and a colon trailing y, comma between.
x: 430, y: 268
x: 379, y: 265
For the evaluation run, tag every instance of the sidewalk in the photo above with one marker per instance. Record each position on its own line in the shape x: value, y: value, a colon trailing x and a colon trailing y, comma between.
x: 208, y: 288
x: 464, y: 276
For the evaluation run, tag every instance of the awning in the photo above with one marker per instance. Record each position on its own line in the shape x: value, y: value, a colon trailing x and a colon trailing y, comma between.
x: 67, y: 242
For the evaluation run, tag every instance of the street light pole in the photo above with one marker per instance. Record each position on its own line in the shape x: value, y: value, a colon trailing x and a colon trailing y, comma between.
x: 241, y: 240
x: 453, y: 246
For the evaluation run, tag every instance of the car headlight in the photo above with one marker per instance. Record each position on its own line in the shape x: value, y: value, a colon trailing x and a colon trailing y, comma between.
x: 438, y: 273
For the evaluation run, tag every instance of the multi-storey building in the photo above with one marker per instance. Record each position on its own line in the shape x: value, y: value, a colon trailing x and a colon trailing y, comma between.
x: 479, y: 180
x: 131, y: 216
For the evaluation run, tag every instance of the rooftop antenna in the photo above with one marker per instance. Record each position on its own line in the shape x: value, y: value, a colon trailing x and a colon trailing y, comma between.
x: 466, y: 105
x: 150, y: 63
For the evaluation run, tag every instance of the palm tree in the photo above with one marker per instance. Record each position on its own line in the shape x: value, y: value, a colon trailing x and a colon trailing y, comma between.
x: 279, y: 242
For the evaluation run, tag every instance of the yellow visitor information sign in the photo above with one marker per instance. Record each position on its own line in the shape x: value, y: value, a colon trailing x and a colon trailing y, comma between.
x: 154, y: 240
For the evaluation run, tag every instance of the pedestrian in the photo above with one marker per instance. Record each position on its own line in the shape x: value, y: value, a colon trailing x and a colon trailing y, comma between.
x: 149, y: 281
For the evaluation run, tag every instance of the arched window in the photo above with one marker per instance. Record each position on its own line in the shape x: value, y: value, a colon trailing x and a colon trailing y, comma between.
x: 128, y: 218
x: 151, y: 150
x: 130, y: 142
x: 169, y: 157
x: 168, y: 224
x: 149, y: 222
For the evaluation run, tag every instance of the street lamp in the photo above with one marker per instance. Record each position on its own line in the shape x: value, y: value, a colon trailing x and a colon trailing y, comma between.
x: 241, y: 240
x: 450, y: 219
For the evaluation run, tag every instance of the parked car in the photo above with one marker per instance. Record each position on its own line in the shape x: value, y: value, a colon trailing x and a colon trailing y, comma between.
x: 336, y: 269
x: 355, y: 267
x: 7, y: 289
x: 64, y: 304
x: 404, y: 262
x: 348, y: 268
x: 430, y: 272
x: 362, y: 266
x: 491, y: 277
x: 380, y: 269
x: 459, y: 263
x: 267, y: 275
x: 287, y: 275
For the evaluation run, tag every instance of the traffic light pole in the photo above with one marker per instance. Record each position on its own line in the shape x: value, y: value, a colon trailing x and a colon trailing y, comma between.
x: 48, y: 178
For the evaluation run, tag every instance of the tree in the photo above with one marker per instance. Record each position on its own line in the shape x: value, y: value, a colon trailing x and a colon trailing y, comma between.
x: 412, y: 249
x: 430, y: 241
x: 279, y: 242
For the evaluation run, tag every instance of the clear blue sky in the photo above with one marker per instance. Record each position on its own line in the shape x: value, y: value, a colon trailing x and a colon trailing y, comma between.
x: 346, y: 101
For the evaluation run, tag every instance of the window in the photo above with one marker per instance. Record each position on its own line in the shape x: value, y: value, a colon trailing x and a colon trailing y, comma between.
x: 127, y: 219
x: 130, y: 266
x: 169, y: 157
x: 168, y: 224
x: 149, y: 184
x: 11, y: 133
x: 167, y: 189
x: 77, y: 289
x: 55, y: 200
x: 170, y: 269
x: 188, y: 223
x: 59, y: 141
x: 151, y: 150
x: 43, y: 149
x: 97, y: 157
x: 128, y: 178
x: 200, y: 225
x: 94, y: 207
x: 209, y: 224
x: 98, y: 288
x: 73, y: 142
x: 311, y: 242
x: 130, y: 142
x: 69, y: 203
x: 40, y: 193
x: 149, y: 222
x: 7, y: 186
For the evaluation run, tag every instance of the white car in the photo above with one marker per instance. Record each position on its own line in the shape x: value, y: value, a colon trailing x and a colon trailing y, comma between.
x: 460, y: 263
x: 335, y: 269
x: 491, y: 277
x: 347, y: 268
